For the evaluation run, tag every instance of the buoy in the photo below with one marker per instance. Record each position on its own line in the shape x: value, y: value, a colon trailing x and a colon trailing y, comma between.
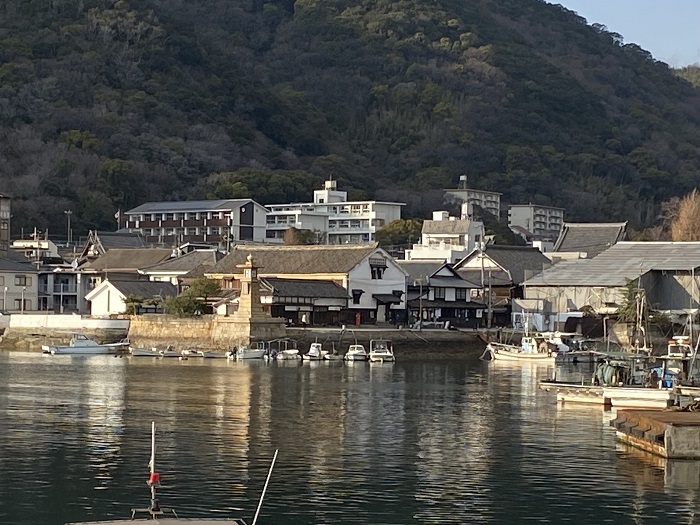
x: 154, y: 478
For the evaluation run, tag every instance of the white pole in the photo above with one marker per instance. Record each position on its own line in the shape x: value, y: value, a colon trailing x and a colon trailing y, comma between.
x: 153, y: 447
x: 265, y: 487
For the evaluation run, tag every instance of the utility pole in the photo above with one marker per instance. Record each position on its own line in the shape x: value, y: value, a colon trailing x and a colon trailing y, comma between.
x: 68, y: 214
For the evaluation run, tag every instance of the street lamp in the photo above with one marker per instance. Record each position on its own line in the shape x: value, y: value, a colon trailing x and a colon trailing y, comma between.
x: 22, y: 305
x: 68, y: 214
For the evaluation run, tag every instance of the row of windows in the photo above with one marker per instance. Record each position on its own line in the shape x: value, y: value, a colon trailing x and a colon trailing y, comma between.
x: 20, y: 280
x: 187, y: 216
x: 211, y: 230
x: 460, y: 293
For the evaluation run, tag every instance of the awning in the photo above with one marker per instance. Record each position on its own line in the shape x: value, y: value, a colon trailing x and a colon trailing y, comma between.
x: 386, y: 298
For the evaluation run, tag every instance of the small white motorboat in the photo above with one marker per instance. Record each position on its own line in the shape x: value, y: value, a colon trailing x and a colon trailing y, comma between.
x: 82, y: 345
x: 287, y: 355
x: 143, y: 352
x: 246, y: 352
x: 380, y: 351
x: 315, y: 353
x: 356, y: 353
x: 209, y: 354
x: 156, y: 514
x: 170, y: 352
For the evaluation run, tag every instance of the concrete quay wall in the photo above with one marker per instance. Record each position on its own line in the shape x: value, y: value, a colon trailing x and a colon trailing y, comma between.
x: 27, y: 332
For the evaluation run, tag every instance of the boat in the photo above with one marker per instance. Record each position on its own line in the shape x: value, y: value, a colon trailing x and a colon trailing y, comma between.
x: 258, y: 351
x: 381, y: 351
x: 83, y: 345
x: 315, y: 353
x: 538, y: 347
x: 143, y: 352
x: 284, y: 349
x: 333, y: 355
x: 356, y: 353
x: 210, y: 354
x: 157, y: 514
x: 631, y: 380
x: 169, y: 352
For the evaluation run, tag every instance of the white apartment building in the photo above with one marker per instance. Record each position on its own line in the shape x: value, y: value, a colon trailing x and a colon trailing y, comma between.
x: 332, y: 216
x: 488, y: 200
x: 543, y: 222
x: 446, y: 238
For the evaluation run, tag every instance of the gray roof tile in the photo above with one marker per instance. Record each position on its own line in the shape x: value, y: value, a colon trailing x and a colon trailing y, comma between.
x: 305, y: 288
x: 520, y: 261
x: 323, y: 259
x: 145, y: 289
x: 182, y: 206
x: 187, y: 262
x: 130, y: 259
x: 591, y: 238
x: 620, y: 263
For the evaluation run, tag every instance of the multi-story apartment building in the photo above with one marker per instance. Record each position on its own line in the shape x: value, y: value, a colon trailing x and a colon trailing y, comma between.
x: 448, y: 238
x: 5, y: 215
x: 223, y: 222
x: 332, y: 216
x: 544, y: 222
x: 488, y: 200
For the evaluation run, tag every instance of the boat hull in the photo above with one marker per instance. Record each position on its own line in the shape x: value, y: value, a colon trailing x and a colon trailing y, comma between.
x: 381, y: 358
x: 83, y: 350
x: 249, y: 354
x: 504, y: 354
x: 143, y: 352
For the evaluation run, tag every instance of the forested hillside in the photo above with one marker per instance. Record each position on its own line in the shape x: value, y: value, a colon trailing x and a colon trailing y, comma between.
x: 106, y: 104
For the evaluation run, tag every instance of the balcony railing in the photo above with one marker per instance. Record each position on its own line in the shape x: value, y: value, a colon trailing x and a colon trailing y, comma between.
x: 65, y: 288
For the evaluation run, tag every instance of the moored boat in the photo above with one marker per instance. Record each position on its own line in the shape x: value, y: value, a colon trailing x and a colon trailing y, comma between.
x: 258, y: 351
x: 315, y: 353
x: 356, y: 353
x: 381, y: 351
x: 83, y: 345
x: 541, y: 348
x: 143, y: 352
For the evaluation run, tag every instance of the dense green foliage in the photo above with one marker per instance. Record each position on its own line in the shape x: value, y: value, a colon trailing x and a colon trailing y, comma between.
x: 400, y: 233
x: 105, y: 104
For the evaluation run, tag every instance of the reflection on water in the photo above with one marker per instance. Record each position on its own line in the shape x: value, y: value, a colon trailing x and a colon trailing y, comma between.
x: 418, y: 442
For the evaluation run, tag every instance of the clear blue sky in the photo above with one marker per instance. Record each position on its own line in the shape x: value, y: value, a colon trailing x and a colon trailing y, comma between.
x: 668, y: 29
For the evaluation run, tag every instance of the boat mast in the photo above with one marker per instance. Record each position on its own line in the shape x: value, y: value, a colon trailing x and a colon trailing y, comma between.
x: 154, y: 478
x: 257, y: 511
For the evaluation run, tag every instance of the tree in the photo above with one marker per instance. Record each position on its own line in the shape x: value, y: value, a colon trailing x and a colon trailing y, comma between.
x: 296, y: 236
x: 132, y: 303
x: 204, y: 288
x: 401, y: 232
x: 686, y: 224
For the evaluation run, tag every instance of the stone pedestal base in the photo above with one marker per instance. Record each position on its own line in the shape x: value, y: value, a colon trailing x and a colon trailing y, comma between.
x: 228, y: 332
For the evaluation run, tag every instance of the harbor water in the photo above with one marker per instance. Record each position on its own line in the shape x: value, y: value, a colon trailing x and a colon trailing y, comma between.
x: 415, y: 442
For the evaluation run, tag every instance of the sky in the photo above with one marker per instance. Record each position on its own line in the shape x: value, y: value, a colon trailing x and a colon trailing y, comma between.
x: 668, y: 29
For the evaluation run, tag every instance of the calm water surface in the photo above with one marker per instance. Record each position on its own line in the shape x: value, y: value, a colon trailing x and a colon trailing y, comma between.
x: 408, y: 443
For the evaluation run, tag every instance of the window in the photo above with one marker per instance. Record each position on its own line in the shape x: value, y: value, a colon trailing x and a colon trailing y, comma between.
x: 4, y: 225
x: 27, y: 304
x: 461, y: 294
x: 215, y: 230
x: 2, y: 280
x: 439, y: 293
x: 356, y: 294
x: 270, y: 234
x: 23, y: 280
x: 377, y: 272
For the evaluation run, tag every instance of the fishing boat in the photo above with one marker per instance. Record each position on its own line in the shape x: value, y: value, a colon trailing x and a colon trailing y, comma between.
x: 284, y: 349
x: 381, y: 351
x: 159, y: 515
x: 170, y: 352
x: 631, y: 380
x: 83, y: 345
x: 540, y: 348
x: 333, y: 355
x: 210, y: 354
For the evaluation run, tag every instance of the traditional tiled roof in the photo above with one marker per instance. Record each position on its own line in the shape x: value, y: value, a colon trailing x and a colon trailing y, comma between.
x: 457, y: 227
x: 419, y: 269
x: 182, y: 206
x: 304, y: 288
x: 145, y: 289
x: 520, y: 261
x: 15, y: 262
x: 323, y: 259
x: 591, y: 238
x: 620, y: 263
x: 494, y: 277
x: 186, y: 263
x: 132, y: 259
x: 120, y: 239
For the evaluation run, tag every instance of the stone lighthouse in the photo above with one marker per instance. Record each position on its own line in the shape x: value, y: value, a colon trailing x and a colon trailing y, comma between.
x: 251, y: 322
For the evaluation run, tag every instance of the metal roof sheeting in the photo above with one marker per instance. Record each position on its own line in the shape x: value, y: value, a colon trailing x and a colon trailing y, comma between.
x: 180, y: 206
x: 622, y: 262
